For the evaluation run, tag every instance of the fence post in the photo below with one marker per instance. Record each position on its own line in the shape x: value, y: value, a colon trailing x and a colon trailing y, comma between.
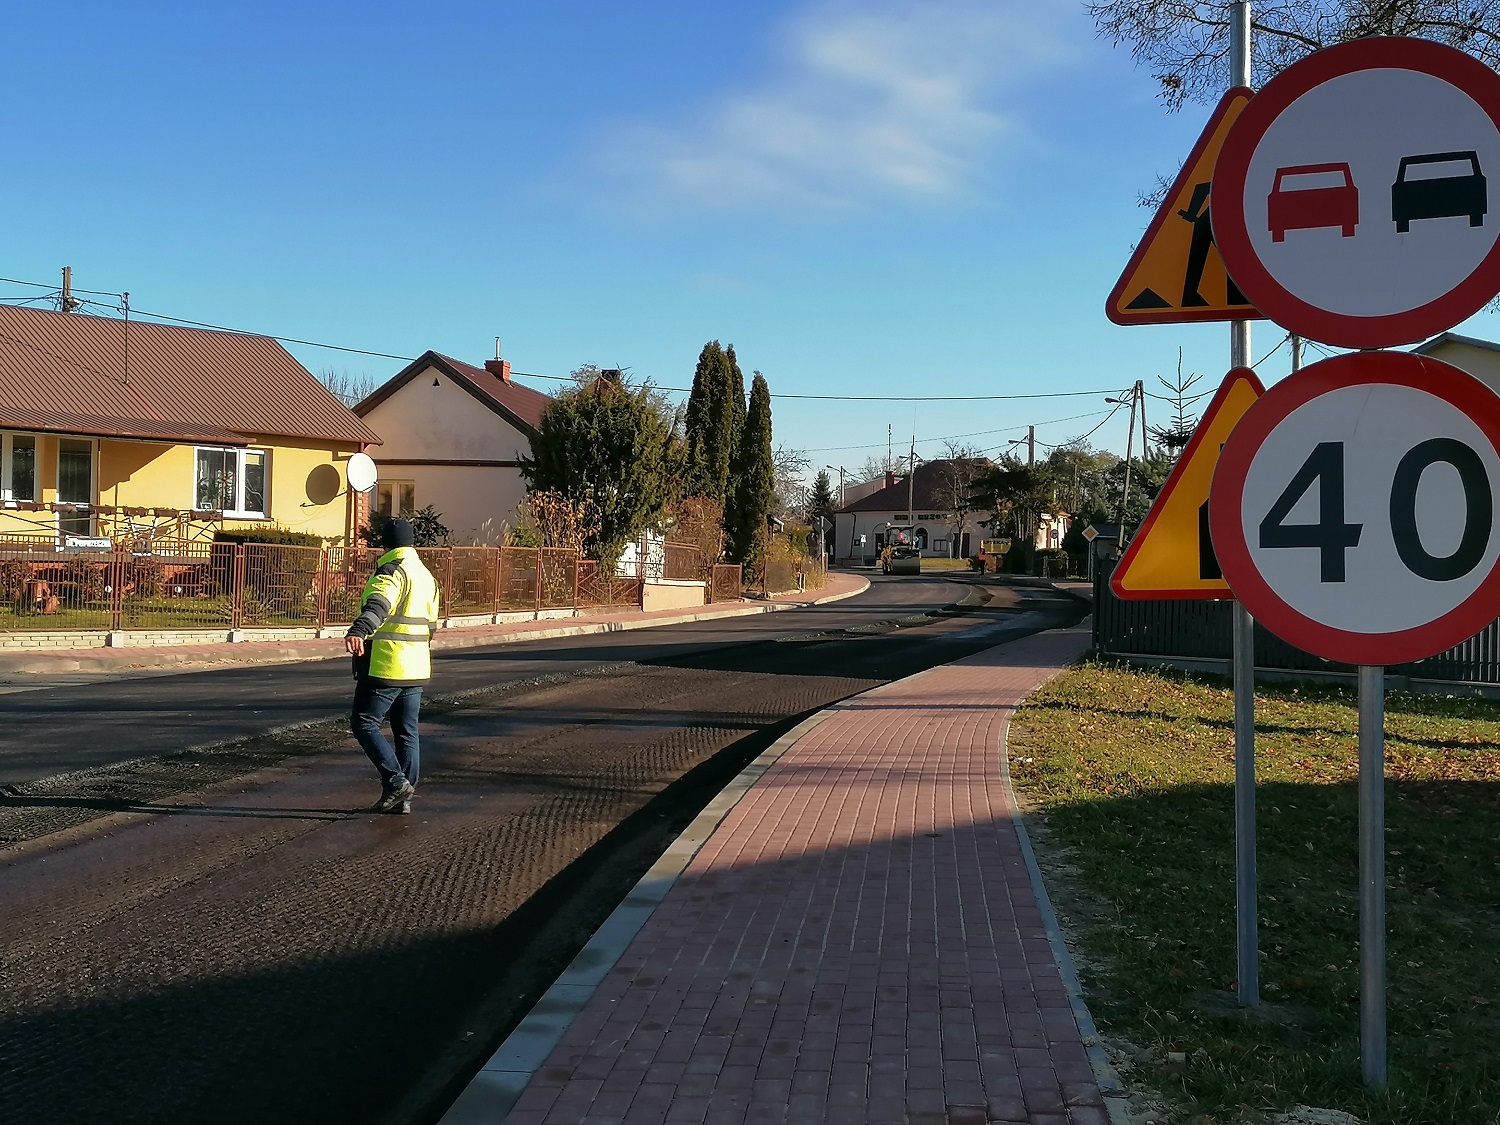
x: 322, y: 588
x: 497, y: 576
x: 538, y: 583
x: 446, y: 608
x: 576, y: 569
x: 117, y: 588
x: 237, y: 589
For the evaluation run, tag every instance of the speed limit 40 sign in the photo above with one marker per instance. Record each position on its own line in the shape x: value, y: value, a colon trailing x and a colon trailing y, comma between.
x: 1353, y: 508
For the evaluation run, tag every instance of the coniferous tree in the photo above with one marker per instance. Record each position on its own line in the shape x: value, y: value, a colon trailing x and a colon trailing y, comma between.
x: 736, y: 396
x: 823, y: 502
x: 754, y: 477
x: 695, y: 418
x: 711, y: 426
x: 608, y: 446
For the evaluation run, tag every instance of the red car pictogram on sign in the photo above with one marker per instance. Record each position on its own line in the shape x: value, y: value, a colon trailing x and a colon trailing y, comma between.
x: 1290, y: 207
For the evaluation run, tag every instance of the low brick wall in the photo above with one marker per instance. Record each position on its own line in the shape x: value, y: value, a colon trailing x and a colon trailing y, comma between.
x: 60, y: 639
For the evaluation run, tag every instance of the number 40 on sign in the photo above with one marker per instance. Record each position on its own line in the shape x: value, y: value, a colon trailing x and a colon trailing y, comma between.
x: 1353, y: 508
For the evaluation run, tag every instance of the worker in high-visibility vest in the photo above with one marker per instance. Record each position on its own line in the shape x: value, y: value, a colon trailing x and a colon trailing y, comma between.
x: 391, y: 642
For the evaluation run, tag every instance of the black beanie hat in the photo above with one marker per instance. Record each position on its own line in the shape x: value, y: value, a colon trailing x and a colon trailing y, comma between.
x: 397, y: 533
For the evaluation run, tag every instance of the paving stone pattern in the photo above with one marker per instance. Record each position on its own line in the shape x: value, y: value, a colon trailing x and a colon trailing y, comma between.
x: 858, y: 942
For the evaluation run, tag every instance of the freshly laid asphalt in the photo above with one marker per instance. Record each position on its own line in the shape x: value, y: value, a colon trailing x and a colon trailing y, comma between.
x: 81, y: 721
x: 243, y: 947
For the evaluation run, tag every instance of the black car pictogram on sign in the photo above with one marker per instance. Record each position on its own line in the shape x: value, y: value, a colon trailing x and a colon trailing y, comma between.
x: 1439, y: 197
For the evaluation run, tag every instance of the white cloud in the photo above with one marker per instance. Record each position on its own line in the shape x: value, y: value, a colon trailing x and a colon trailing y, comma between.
x: 892, y: 98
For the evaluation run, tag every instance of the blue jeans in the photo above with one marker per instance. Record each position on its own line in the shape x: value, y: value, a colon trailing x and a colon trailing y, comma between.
x: 372, y: 703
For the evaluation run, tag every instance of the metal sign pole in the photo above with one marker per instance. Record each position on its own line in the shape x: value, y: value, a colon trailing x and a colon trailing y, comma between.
x: 1372, y: 875
x: 1246, y: 944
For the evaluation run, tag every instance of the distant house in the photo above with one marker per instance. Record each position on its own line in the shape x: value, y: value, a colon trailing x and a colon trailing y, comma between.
x: 453, y: 437
x: 1480, y: 358
x: 115, y: 430
x: 924, y: 501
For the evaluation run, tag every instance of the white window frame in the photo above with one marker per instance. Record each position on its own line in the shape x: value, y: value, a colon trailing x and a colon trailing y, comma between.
x: 395, y: 493
x: 87, y: 505
x: 7, y: 486
x: 238, y: 511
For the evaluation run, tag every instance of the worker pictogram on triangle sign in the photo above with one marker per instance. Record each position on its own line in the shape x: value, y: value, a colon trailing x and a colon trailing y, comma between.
x: 1175, y: 274
x: 1172, y: 555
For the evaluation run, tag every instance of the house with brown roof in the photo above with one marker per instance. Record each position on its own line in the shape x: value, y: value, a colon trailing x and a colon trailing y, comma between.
x: 127, y: 430
x: 453, y: 437
x: 925, y: 500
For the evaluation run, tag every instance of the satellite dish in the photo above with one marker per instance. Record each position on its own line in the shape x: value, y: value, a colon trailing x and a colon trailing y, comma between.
x: 360, y: 472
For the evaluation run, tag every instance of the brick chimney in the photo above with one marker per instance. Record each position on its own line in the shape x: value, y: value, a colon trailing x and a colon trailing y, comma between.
x: 890, y: 479
x: 499, y: 368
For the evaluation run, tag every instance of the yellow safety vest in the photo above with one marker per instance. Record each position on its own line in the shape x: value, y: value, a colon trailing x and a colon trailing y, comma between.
x: 400, y: 649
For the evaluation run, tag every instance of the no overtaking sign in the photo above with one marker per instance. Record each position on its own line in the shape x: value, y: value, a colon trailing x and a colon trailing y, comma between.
x: 1351, y: 199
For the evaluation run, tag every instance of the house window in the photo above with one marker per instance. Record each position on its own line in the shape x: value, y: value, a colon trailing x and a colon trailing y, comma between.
x: 75, y: 485
x: 17, y: 467
x: 231, y: 481
x: 396, y: 498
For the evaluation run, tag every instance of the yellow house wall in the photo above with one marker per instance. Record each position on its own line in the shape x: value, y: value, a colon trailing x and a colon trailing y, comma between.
x: 307, y: 484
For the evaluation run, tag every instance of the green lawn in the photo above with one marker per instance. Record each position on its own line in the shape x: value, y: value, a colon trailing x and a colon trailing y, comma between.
x: 1133, y: 776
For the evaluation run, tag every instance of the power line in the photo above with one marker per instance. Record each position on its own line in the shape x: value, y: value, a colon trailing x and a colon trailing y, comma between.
x: 554, y: 378
x: 566, y: 378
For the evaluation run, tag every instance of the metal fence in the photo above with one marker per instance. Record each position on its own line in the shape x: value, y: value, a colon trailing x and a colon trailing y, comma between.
x: 200, y: 585
x: 237, y: 585
x: 726, y: 582
x: 1202, y: 630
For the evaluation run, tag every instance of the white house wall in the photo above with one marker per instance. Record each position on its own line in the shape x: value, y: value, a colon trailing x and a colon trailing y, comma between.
x: 443, y: 422
x: 476, y: 502
x: 421, y: 424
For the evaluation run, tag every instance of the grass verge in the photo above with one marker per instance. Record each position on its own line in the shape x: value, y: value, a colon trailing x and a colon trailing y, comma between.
x: 1132, y: 773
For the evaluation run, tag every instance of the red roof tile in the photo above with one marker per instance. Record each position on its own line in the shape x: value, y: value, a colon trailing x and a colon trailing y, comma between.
x: 67, y: 372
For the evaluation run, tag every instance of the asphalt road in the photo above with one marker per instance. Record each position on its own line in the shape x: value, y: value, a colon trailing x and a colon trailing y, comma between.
x: 65, y: 728
x: 219, y: 935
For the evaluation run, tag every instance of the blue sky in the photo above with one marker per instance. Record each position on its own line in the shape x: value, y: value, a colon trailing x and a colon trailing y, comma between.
x: 890, y: 197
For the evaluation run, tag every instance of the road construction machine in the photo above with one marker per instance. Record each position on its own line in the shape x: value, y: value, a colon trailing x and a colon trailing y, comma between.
x: 900, y: 555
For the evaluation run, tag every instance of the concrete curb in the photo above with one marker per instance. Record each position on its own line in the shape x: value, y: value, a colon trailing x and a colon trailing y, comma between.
x: 157, y: 659
x: 1114, y: 1091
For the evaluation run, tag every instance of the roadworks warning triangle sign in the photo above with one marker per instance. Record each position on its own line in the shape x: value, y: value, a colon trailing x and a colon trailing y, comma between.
x: 1172, y: 555
x: 1175, y: 274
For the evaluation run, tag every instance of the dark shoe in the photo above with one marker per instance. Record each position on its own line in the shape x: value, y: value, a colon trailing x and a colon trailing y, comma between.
x: 393, y: 798
x: 404, y: 808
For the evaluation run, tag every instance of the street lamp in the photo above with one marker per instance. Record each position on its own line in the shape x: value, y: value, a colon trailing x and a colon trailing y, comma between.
x: 840, y: 471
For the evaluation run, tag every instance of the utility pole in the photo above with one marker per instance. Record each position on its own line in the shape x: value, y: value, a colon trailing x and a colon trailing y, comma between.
x: 1031, y: 445
x: 911, y: 480
x: 888, y: 454
x: 125, y: 305
x: 1296, y: 353
x: 1140, y: 391
x: 68, y: 302
x: 1129, y: 446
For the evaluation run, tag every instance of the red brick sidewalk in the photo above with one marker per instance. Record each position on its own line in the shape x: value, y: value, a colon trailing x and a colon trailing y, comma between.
x: 857, y: 942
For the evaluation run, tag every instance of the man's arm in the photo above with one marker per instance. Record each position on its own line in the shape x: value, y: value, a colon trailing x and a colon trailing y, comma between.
x: 373, y: 613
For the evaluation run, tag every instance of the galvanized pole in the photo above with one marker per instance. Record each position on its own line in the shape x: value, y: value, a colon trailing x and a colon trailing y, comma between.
x: 1372, y: 875
x: 1246, y: 940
